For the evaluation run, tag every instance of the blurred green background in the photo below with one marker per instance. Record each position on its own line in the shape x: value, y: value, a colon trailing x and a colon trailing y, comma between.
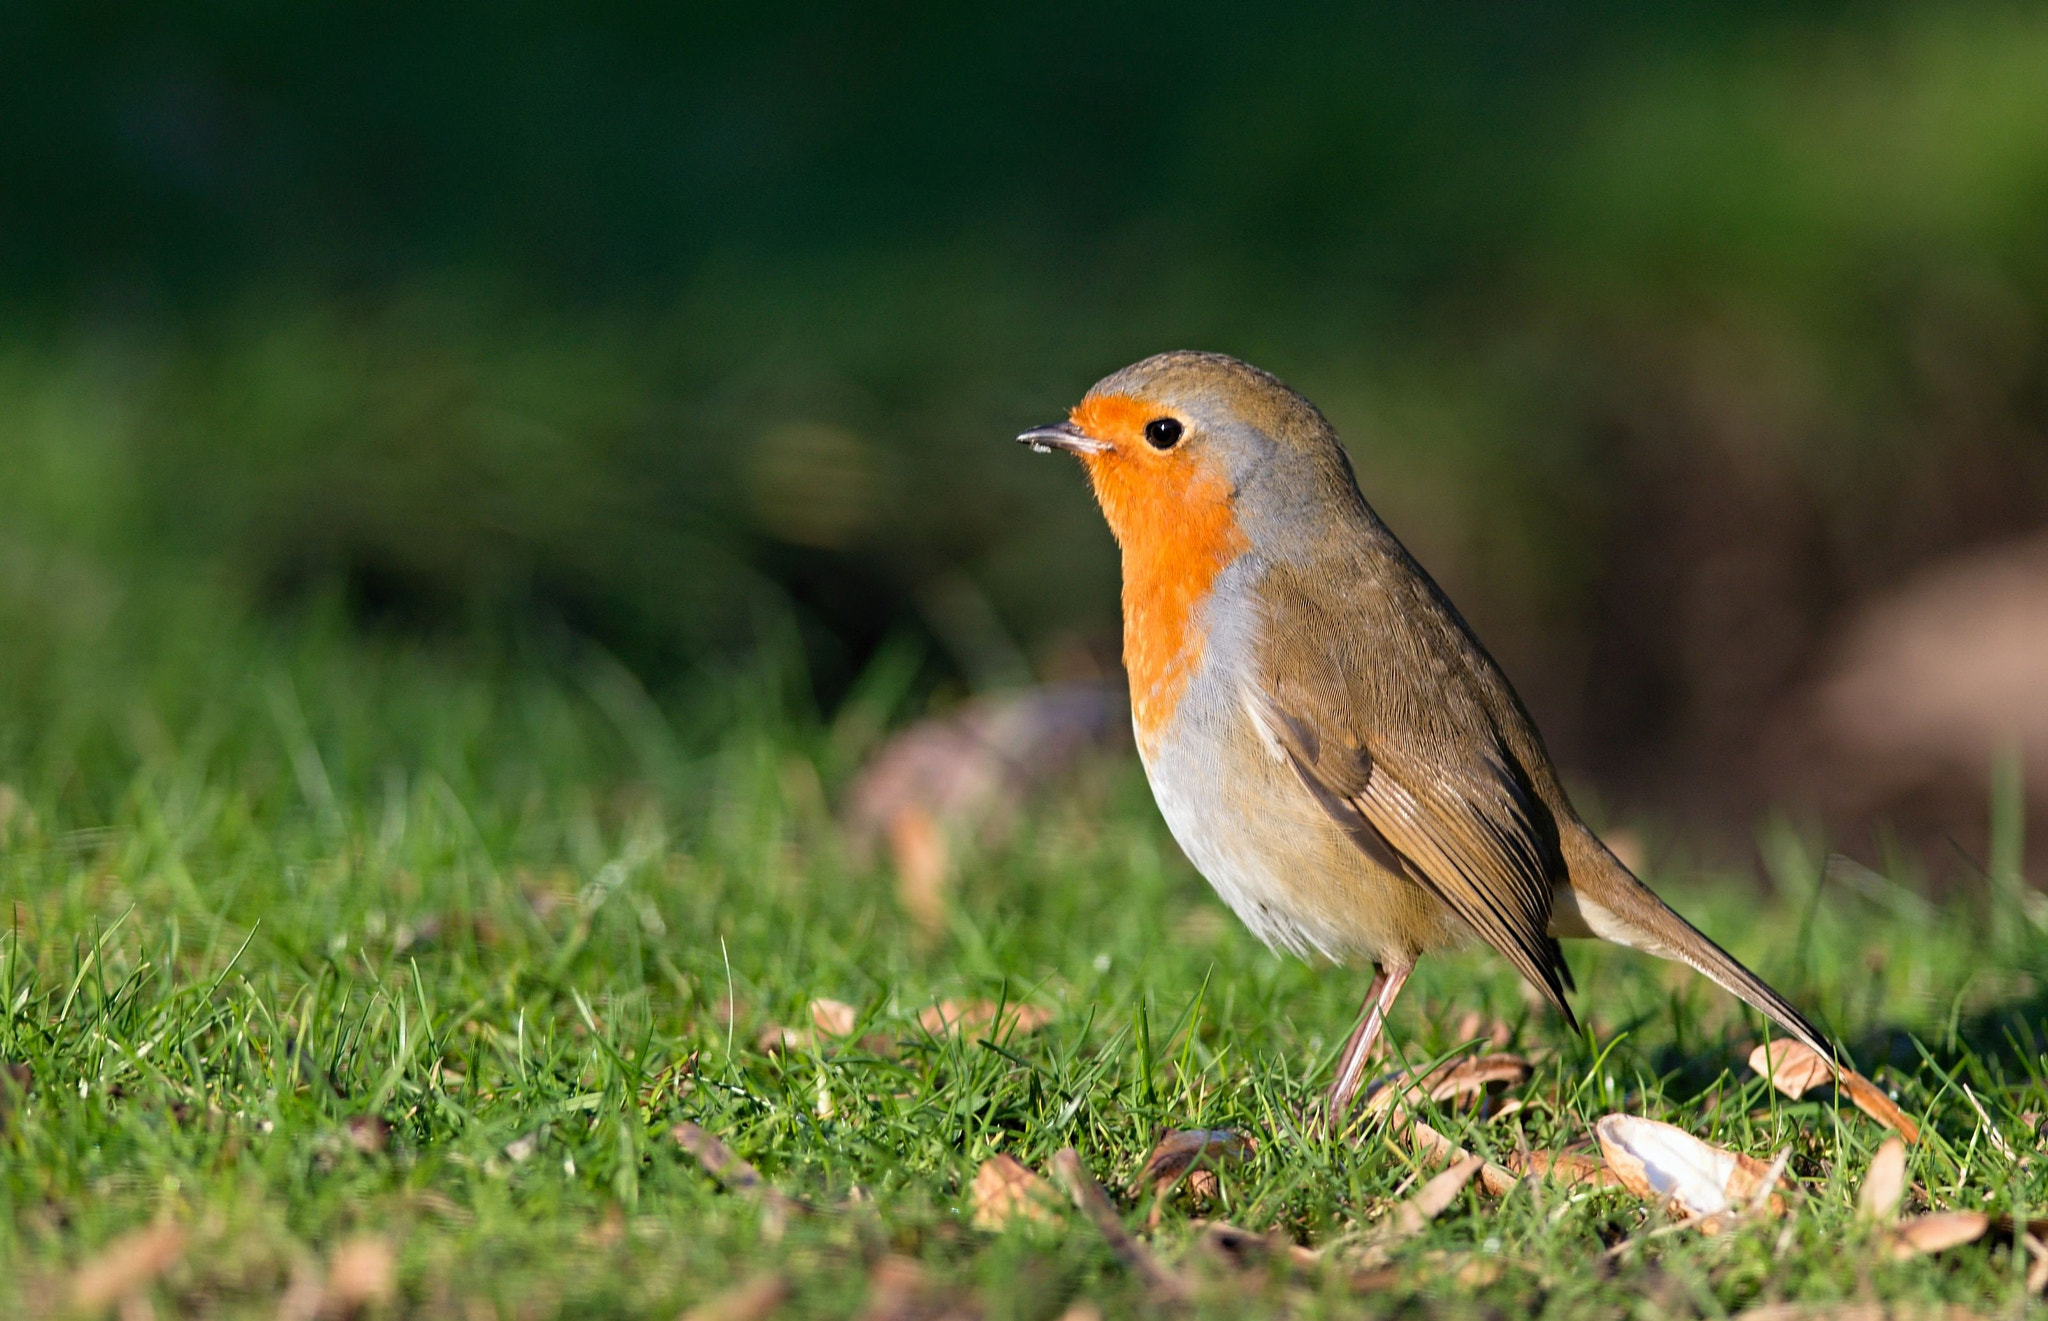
x: 1680, y: 342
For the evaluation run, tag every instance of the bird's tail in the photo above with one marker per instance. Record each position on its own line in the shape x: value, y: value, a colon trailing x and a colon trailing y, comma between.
x: 1603, y: 898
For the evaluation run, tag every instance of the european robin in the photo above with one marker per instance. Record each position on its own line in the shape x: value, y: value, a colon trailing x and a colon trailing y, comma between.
x: 1327, y: 740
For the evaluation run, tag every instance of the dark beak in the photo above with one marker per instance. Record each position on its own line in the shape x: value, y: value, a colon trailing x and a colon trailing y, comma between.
x: 1063, y: 436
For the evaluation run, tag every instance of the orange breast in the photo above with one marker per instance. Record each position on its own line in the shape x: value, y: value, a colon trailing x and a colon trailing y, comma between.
x: 1172, y: 519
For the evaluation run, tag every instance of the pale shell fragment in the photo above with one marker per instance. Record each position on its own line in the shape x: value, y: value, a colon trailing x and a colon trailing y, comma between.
x: 1690, y: 1176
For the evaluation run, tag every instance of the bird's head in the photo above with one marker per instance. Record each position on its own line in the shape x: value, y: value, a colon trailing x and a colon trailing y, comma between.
x: 1191, y: 444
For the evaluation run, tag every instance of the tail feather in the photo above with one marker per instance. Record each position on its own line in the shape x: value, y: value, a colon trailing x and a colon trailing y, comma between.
x: 1603, y: 898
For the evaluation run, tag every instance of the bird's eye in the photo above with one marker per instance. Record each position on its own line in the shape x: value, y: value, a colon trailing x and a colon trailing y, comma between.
x: 1162, y: 433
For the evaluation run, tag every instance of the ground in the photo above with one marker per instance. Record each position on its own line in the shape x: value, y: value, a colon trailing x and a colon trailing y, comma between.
x: 349, y: 978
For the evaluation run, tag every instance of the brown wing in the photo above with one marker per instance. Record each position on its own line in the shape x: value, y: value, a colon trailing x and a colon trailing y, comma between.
x: 1460, y: 821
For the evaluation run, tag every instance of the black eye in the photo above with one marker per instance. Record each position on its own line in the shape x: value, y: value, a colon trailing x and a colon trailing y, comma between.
x: 1162, y: 433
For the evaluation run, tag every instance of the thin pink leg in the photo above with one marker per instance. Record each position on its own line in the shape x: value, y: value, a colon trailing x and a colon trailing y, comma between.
x: 1379, y: 998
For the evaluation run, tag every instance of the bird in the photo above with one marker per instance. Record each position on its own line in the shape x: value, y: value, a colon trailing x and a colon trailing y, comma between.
x: 1326, y: 738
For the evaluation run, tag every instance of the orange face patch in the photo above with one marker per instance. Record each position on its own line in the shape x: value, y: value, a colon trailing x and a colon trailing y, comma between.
x: 1170, y: 512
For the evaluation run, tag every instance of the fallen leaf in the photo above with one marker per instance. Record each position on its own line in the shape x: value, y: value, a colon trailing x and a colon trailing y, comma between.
x: 1872, y: 1101
x: 1475, y: 1026
x: 1183, y: 1150
x: 1885, y: 1183
x: 1094, y: 1203
x: 924, y: 867
x: 970, y: 771
x: 1496, y: 1179
x: 368, y: 1134
x: 775, y: 1038
x: 1455, y: 1080
x: 303, y: 1293
x: 1429, y: 1201
x: 441, y: 1205
x: 977, y: 1017
x: 126, y: 1266
x: 1937, y: 1232
x: 16, y: 818
x: 1470, y: 1269
x: 15, y: 1078
x: 898, y: 1290
x: 965, y: 776
x: 1410, y: 1217
x: 737, y: 1175
x: 1571, y: 1168
x: 1668, y: 1164
x: 752, y: 1300
x: 1795, y: 1069
x: 1792, y: 1066
x: 2037, y: 1274
x: 1241, y: 1249
x: 362, y: 1273
x: 1005, y: 1191
x: 1855, y: 1312
x: 833, y: 1017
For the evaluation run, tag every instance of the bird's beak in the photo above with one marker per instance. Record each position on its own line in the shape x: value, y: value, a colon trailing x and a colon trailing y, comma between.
x: 1063, y: 436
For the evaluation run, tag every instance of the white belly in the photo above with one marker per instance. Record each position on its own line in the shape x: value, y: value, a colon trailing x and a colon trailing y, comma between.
x: 1243, y: 817
x: 1246, y: 864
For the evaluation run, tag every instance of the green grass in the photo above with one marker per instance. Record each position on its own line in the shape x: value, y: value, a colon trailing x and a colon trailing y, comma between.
x: 259, y: 885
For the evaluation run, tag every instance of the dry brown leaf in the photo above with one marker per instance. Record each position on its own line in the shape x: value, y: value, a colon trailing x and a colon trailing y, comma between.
x: 126, y: 1266
x: 1467, y: 1268
x: 776, y: 1038
x: 1873, y: 1102
x: 1885, y: 1184
x: 1938, y: 1232
x: 15, y: 1079
x: 1241, y: 1249
x: 964, y: 777
x: 924, y: 867
x: 1496, y: 1179
x: 898, y: 1290
x: 752, y: 1300
x: 368, y: 1134
x: 441, y: 1205
x: 739, y: 1176
x: 1429, y: 1201
x: 1855, y: 1312
x: 1094, y: 1203
x: 1673, y: 1167
x: 977, y: 1017
x: 2037, y: 1274
x: 1468, y: 1077
x: 1795, y: 1069
x: 1005, y: 1191
x: 362, y: 1273
x: 1571, y: 1168
x: 1792, y: 1066
x: 1457, y: 1079
x: 833, y: 1017
x: 971, y: 771
x: 1475, y: 1026
x: 1183, y: 1150
x: 303, y: 1293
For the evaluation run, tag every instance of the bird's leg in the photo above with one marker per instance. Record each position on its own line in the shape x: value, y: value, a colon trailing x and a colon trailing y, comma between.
x: 1379, y: 998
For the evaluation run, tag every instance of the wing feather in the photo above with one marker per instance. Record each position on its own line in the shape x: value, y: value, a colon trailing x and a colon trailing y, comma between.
x: 1472, y: 834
